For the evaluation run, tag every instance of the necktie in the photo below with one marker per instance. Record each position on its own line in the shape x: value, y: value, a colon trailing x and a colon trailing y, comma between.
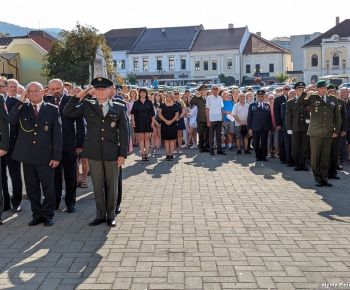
x: 57, y: 102
x: 101, y: 110
x: 36, y: 111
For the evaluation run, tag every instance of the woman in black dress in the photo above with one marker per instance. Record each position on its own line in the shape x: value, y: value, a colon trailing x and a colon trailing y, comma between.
x: 169, y: 113
x: 142, y: 117
x: 180, y: 122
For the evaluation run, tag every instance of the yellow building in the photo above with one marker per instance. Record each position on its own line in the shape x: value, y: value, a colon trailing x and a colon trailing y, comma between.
x: 22, y: 57
x: 328, y: 54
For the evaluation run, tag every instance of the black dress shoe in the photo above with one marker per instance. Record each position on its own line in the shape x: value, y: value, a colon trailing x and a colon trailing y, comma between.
x: 212, y: 152
x: 206, y: 150
x: 319, y: 184
x: 118, y: 211
x: 96, y: 222
x: 220, y: 152
x: 333, y: 177
x: 0, y: 222
x: 340, y: 167
x: 7, y: 208
x: 326, y: 183
x: 304, y: 168
x: 48, y: 222
x: 35, y: 222
x: 16, y: 209
x: 297, y: 168
x: 111, y: 223
x: 263, y: 159
x: 258, y: 159
x: 71, y: 209
x: 290, y: 164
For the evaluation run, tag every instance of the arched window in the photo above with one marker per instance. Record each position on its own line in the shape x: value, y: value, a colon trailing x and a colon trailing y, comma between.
x: 314, y: 60
x: 336, y: 59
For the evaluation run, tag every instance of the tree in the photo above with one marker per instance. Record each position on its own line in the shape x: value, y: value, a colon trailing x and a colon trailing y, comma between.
x: 131, y: 78
x: 222, y: 78
x: 281, y: 77
x: 72, y: 55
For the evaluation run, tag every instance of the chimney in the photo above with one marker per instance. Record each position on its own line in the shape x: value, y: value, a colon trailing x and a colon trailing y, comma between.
x: 230, y: 26
x: 163, y: 30
x: 258, y: 33
x: 337, y: 20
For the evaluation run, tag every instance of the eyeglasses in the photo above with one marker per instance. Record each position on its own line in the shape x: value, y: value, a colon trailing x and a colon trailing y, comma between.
x: 286, y: 89
x: 2, y: 86
x: 215, y: 89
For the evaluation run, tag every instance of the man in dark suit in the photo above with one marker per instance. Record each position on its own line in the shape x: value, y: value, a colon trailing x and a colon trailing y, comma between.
x: 278, y: 120
x: 297, y: 123
x: 39, y: 147
x: 259, y: 124
x: 287, y: 138
x: 14, y: 166
x: 335, y: 147
x: 105, y: 144
x: 4, y: 145
x: 73, y: 133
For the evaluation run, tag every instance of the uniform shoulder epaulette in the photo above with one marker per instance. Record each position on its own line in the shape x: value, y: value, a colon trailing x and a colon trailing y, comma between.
x: 118, y: 103
x: 51, y: 105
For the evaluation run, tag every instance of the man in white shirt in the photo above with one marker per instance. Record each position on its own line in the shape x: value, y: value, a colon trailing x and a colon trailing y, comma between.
x: 214, y: 107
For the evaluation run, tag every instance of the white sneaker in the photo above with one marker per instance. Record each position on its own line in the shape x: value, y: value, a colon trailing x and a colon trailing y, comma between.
x: 193, y: 147
x: 184, y: 146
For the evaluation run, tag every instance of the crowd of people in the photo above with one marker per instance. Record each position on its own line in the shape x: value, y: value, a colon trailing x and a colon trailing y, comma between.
x: 62, y: 132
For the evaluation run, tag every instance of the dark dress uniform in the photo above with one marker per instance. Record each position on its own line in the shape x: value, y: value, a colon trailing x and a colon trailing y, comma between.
x: 335, y: 147
x: 202, y: 128
x: 287, y: 141
x: 296, y: 121
x: 4, y: 144
x: 73, y: 132
x: 39, y: 141
x: 106, y: 139
x: 277, y: 104
x: 14, y: 166
x: 260, y: 122
x: 324, y: 121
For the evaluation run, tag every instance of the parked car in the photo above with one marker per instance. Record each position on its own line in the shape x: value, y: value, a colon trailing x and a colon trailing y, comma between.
x: 344, y: 85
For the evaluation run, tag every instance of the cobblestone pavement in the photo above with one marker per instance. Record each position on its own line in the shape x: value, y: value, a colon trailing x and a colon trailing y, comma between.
x: 199, y: 222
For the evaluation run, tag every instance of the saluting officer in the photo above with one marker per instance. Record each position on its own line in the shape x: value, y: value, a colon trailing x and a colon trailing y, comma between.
x: 4, y: 145
x: 259, y: 124
x: 324, y: 125
x: 297, y: 123
x: 105, y: 145
x: 39, y: 147
x: 335, y: 147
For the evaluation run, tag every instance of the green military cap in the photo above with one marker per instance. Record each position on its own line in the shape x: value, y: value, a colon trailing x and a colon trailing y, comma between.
x: 321, y: 84
x: 101, y: 82
x: 332, y: 87
x: 299, y: 85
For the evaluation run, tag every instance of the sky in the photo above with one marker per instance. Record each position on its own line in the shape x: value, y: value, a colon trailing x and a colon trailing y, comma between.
x: 270, y: 17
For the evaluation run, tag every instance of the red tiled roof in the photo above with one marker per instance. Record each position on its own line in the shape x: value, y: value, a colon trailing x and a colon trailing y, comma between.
x: 44, y: 42
x: 258, y: 45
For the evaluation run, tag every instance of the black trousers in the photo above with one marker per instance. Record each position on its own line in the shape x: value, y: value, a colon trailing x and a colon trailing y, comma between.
x: 37, y: 177
x: 281, y: 146
x: 260, y: 143
x: 5, y: 189
x: 14, y: 168
x: 203, y: 135
x: 343, y: 150
x: 334, y: 157
x: 68, y: 165
x: 300, y: 147
x: 1, y: 195
x: 215, y: 129
x: 287, y: 148
x: 120, y: 187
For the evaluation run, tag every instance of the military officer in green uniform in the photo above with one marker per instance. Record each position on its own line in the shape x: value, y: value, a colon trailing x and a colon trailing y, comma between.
x: 105, y: 144
x: 324, y: 125
x: 203, y: 129
x: 335, y: 147
x: 297, y: 123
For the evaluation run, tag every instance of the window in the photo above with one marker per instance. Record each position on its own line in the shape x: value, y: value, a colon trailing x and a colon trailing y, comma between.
x: 197, y: 65
x: 145, y: 64
x: 314, y: 60
x: 257, y: 68
x: 229, y: 64
x: 136, y: 65
x: 171, y: 63
x: 159, y: 63
x: 336, y: 59
x: 183, y: 63
x: 271, y: 68
x: 122, y: 64
x: 214, y: 65
x: 114, y: 63
x: 206, y: 65
x: 247, y: 68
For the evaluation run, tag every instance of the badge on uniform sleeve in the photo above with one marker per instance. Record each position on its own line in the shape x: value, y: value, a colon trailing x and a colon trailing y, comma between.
x: 113, y: 124
x: 46, y: 128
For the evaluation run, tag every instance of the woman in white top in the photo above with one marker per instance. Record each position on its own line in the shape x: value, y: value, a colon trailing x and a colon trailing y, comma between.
x: 240, y: 113
x: 192, y: 122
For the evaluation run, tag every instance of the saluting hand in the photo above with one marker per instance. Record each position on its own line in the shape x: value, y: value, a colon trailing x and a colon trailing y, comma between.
x: 2, y: 152
x: 81, y: 95
x: 23, y: 97
x: 335, y: 135
x: 120, y: 161
x: 54, y: 163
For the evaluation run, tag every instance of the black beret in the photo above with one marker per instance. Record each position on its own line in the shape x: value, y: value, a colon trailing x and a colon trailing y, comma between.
x: 101, y: 82
x: 260, y: 92
x: 202, y: 87
x: 299, y: 85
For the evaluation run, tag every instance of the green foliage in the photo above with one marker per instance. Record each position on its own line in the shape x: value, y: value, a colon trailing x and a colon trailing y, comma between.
x: 71, y: 56
x: 131, y: 78
x: 222, y: 78
x: 281, y: 77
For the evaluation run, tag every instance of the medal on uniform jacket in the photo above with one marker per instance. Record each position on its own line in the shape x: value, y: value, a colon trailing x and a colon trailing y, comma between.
x: 317, y: 103
x: 46, y: 128
x: 113, y: 124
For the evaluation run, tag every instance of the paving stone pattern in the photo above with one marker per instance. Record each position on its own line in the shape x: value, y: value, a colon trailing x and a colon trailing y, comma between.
x: 199, y: 222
